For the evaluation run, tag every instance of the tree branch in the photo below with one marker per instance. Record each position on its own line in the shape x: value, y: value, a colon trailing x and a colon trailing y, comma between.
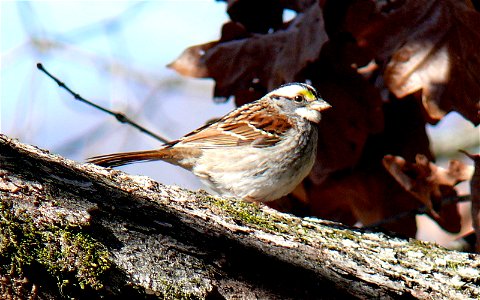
x: 70, y: 229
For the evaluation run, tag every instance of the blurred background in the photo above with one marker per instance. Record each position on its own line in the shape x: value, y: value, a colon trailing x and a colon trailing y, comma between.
x: 115, y: 53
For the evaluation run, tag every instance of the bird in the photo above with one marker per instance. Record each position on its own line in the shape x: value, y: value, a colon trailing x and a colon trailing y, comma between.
x: 258, y: 152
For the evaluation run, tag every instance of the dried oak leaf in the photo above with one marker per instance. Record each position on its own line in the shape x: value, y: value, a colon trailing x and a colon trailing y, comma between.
x: 357, y: 105
x: 249, y: 64
x: 430, y: 46
x: 430, y: 185
x: 367, y: 196
x: 365, y: 190
x: 256, y: 16
x: 345, y: 129
x: 475, y: 196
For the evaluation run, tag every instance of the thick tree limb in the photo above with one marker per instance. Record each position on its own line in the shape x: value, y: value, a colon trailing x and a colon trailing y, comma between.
x: 77, y: 229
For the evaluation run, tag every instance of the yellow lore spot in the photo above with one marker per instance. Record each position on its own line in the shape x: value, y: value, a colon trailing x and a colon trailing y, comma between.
x: 308, y: 94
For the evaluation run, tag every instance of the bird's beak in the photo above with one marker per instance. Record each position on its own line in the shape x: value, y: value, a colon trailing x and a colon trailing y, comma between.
x: 319, y: 105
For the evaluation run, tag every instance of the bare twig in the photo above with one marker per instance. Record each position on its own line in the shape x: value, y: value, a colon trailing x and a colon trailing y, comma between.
x: 119, y: 116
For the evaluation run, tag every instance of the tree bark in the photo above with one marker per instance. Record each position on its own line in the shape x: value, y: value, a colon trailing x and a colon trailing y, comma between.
x: 79, y: 230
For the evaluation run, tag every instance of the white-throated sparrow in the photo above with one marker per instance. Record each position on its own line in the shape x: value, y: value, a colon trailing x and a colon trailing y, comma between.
x: 258, y: 152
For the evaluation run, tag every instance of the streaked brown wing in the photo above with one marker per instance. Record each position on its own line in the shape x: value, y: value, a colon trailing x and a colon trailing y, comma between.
x: 253, y: 124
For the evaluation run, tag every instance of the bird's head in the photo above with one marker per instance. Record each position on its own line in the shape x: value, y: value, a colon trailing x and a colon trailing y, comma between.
x: 299, y: 99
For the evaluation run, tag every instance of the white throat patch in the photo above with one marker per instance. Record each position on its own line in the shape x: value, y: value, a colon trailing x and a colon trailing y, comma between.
x: 309, y: 114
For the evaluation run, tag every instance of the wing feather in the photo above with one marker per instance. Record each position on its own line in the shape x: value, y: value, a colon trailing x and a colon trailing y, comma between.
x: 253, y: 124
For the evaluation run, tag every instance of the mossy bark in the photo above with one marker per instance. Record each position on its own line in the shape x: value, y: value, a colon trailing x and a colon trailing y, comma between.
x: 79, y: 230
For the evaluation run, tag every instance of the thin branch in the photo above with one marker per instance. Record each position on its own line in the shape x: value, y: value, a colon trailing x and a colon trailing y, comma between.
x: 119, y: 116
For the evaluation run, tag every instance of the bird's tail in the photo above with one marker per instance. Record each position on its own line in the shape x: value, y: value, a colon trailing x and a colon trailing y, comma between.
x: 120, y: 159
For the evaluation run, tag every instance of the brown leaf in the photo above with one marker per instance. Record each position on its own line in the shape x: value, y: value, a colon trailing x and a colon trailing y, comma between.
x: 357, y: 108
x: 256, y: 16
x: 428, y: 46
x: 190, y: 63
x: 365, y: 191
x: 345, y: 129
x: 365, y: 196
x: 248, y: 67
x: 475, y: 196
x: 430, y: 184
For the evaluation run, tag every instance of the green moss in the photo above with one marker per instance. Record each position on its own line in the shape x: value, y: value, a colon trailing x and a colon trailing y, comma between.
x: 74, y: 253
x: 16, y: 241
x: 429, y: 249
x: 74, y: 259
x: 347, y: 235
x: 421, y: 244
x: 454, y: 265
x: 247, y: 213
x: 174, y: 290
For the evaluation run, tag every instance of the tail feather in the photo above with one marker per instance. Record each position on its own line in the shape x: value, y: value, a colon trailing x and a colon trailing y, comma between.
x: 120, y: 159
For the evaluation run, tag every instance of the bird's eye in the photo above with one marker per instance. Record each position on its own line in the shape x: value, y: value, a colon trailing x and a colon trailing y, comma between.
x: 298, y: 99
